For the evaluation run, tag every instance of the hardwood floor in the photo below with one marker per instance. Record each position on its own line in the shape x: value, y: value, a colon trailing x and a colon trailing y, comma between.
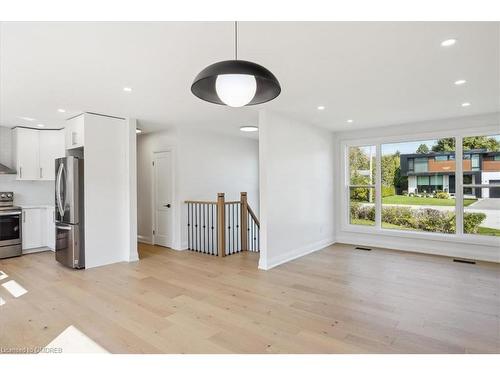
x: 338, y: 300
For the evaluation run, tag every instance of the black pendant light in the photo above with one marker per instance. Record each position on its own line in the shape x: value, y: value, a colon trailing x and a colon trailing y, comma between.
x: 236, y: 83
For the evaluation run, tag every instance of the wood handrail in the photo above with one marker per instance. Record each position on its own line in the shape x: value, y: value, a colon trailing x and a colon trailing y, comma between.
x: 254, y: 217
x: 232, y: 202
x: 201, y: 202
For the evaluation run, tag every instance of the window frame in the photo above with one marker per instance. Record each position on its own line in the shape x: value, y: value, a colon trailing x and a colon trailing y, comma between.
x: 459, y: 236
x: 349, y: 186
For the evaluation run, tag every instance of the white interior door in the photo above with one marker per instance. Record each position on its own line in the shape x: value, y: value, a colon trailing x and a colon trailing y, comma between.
x: 163, y: 205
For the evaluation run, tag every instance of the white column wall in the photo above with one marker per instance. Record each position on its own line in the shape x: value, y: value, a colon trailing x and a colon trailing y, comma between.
x: 296, y: 165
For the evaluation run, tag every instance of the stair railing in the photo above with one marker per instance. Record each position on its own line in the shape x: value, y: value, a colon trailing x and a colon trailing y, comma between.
x: 222, y: 228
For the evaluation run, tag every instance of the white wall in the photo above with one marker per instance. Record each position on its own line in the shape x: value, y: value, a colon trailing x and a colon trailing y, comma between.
x: 205, y: 163
x: 296, y: 163
x: 108, y: 153
x: 477, y: 247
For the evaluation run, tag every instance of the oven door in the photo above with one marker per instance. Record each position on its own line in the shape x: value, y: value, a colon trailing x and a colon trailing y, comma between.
x: 10, y: 228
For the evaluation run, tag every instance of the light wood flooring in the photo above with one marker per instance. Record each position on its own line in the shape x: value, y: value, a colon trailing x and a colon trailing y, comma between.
x: 337, y: 300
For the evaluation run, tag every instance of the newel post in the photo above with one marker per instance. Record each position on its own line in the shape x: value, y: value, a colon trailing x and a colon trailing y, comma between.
x: 221, y: 225
x: 244, y: 221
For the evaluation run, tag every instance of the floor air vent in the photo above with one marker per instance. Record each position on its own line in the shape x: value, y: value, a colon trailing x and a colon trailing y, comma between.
x: 362, y: 248
x: 467, y: 261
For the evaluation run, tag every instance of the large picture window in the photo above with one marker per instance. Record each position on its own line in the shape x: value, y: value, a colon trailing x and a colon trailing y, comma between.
x: 419, y: 198
x: 419, y: 187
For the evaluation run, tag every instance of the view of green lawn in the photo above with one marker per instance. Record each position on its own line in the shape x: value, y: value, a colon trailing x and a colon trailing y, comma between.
x: 422, y: 201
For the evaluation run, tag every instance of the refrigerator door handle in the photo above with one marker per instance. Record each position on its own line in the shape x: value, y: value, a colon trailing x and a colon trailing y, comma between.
x: 60, y: 207
x: 63, y: 227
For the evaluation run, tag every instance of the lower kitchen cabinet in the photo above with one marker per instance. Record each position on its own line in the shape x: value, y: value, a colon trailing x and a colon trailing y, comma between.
x: 38, y: 228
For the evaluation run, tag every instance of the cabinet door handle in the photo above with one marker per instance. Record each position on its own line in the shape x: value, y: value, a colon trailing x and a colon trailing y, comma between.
x: 73, y: 138
x: 41, y: 174
x: 20, y: 172
x: 24, y: 216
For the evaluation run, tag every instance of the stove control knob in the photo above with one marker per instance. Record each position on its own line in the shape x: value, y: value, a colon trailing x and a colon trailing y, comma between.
x: 9, y: 195
x: 2, y: 196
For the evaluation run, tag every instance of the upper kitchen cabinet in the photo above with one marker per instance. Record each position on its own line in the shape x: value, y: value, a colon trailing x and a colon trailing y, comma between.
x: 26, y: 153
x: 34, y: 152
x: 51, y: 148
x: 75, y: 132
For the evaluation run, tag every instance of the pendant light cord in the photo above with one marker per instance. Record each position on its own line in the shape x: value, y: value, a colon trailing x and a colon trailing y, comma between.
x: 236, y: 40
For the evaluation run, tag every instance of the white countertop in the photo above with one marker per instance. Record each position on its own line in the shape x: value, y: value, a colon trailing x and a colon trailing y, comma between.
x: 28, y: 206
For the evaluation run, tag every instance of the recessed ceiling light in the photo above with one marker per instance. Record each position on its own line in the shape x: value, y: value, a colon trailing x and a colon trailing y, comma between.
x: 249, y: 129
x: 350, y: 121
x: 460, y: 82
x: 127, y: 89
x: 466, y: 104
x: 60, y: 110
x: 138, y: 131
x: 27, y: 118
x: 321, y: 107
x: 448, y: 42
x: 40, y: 125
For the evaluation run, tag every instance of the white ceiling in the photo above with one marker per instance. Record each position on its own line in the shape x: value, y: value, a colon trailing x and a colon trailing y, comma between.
x: 374, y: 73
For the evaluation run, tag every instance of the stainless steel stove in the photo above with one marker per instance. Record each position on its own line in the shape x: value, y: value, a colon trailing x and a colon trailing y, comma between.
x: 10, y: 226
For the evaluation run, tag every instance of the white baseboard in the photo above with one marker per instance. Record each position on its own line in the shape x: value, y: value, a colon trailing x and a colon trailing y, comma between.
x: 294, y: 254
x: 37, y: 250
x: 442, y: 248
x: 144, y: 239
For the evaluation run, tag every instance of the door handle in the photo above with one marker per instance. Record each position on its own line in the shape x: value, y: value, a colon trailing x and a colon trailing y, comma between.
x: 62, y: 228
x: 167, y: 205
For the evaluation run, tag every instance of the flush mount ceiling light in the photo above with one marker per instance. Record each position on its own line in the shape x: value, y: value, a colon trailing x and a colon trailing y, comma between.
x: 127, y: 89
x: 30, y: 119
x: 448, y: 42
x: 321, y: 107
x: 60, y: 110
x: 249, y: 128
x: 350, y: 121
x: 466, y: 104
x: 460, y: 82
x: 41, y: 125
x: 236, y: 83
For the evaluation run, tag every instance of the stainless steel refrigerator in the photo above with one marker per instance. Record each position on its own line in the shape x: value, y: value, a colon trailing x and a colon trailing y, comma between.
x: 69, y: 212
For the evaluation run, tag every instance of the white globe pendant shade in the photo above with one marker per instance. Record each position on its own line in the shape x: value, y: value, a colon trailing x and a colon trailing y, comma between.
x: 235, y: 90
x: 236, y: 83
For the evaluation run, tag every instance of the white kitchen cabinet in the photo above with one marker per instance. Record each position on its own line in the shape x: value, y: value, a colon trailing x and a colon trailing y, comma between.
x: 35, y: 151
x: 38, y: 228
x: 26, y: 153
x: 75, y: 132
x: 51, y: 148
x: 51, y: 228
x: 34, y: 228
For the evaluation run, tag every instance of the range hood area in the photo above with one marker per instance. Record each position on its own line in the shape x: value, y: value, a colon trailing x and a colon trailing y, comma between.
x: 5, y: 151
x: 6, y: 170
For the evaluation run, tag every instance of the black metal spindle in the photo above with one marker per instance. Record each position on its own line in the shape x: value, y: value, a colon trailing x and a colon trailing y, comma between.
x: 204, y: 226
x: 189, y: 228
x: 212, y: 227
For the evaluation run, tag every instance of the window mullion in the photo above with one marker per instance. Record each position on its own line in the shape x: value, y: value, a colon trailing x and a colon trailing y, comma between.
x: 378, y: 187
x: 459, y: 188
